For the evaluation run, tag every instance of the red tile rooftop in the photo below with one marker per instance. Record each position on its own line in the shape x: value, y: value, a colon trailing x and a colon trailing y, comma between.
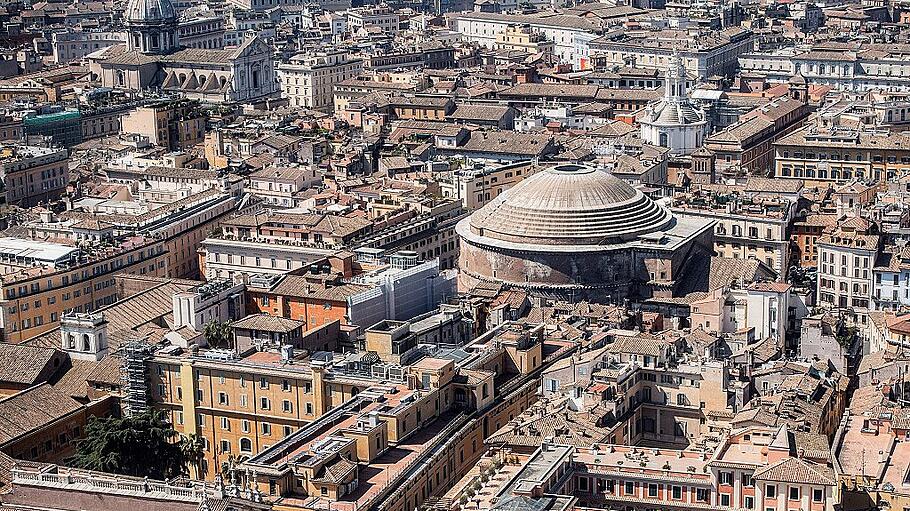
x: 624, y: 458
x: 859, y: 449
x: 743, y: 453
x: 264, y: 357
x: 898, y: 461
x: 431, y: 363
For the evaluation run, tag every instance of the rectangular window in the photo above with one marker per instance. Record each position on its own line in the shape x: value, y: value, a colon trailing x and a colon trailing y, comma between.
x: 652, y: 490
x: 266, y: 428
x: 630, y: 488
x: 818, y: 495
x: 747, y: 480
x: 794, y: 493
x: 770, y: 491
x: 677, y: 492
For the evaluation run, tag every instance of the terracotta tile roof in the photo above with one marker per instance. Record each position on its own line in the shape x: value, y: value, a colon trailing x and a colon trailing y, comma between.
x: 337, y: 471
x: 795, y: 470
x: 563, y: 425
x: 6, y: 469
x: 769, y: 185
x: 813, y: 445
x: 480, y: 112
x: 777, y: 287
x: 106, y: 371
x: 267, y: 323
x: 300, y: 287
x: 72, y: 380
x: 706, y: 274
x: 641, y: 344
x: 24, y: 364
x: 759, y: 415
x: 31, y: 409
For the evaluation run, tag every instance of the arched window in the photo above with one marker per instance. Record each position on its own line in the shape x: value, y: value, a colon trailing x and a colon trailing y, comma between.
x: 86, y: 343
x: 71, y: 341
x: 664, y: 142
x: 354, y: 391
x: 121, y: 79
x: 246, y: 445
x: 201, y: 79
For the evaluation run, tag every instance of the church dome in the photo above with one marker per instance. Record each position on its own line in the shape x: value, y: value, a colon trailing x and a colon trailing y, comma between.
x: 150, y: 11
x: 674, y: 113
x: 569, y: 205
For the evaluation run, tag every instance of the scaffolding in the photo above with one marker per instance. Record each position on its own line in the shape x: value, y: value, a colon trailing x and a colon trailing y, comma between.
x: 135, y: 353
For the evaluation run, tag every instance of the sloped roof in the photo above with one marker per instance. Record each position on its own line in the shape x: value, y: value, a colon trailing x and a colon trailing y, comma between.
x: 23, y: 364
x: 31, y: 409
x: 795, y: 470
x: 267, y: 323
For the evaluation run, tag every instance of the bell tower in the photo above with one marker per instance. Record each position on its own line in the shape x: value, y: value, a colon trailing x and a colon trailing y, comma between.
x: 84, y: 336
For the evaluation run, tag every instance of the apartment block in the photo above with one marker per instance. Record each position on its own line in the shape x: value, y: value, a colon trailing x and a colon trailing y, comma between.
x: 32, y: 175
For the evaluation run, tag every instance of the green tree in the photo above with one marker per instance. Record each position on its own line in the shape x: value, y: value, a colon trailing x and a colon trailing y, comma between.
x: 193, y: 450
x: 845, y: 336
x: 144, y: 445
x: 218, y: 334
x: 232, y: 462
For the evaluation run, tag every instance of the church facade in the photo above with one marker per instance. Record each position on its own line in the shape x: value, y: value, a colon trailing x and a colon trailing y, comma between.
x: 153, y: 59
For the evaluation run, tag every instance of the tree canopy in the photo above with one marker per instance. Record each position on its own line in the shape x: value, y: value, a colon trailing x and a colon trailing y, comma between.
x: 143, y: 445
x: 218, y: 334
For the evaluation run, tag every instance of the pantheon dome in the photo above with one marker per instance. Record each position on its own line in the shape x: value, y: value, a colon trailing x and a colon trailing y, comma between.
x: 575, y: 231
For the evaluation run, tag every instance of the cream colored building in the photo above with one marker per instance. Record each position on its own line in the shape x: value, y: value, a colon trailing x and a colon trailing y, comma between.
x: 746, y: 227
x: 33, y: 174
x: 475, y: 187
x: 309, y: 80
x: 522, y: 38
